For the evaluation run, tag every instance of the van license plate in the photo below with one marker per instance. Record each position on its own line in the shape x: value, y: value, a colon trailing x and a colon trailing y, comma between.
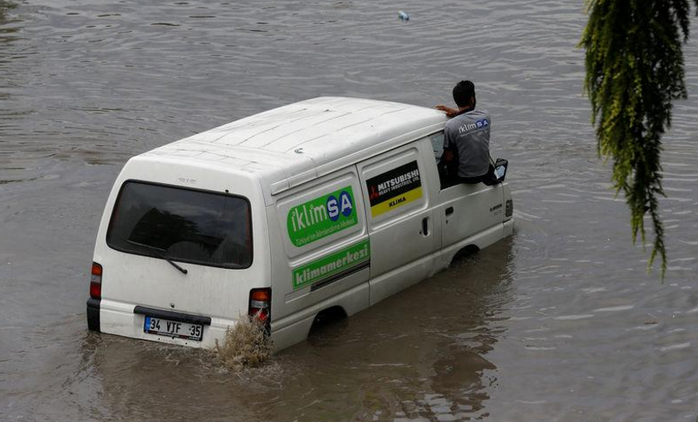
x: 173, y: 329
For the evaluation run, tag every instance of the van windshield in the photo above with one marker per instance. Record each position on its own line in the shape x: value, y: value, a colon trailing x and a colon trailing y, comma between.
x: 181, y: 224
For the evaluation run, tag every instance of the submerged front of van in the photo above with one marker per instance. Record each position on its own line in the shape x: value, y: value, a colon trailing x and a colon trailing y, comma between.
x: 179, y: 255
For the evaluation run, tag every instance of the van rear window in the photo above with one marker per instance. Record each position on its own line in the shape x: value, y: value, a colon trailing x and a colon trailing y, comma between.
x: 182, y: 225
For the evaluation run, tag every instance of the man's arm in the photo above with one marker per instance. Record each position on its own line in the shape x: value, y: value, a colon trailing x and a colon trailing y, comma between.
x: 448, y: 155
x: 450, y: 112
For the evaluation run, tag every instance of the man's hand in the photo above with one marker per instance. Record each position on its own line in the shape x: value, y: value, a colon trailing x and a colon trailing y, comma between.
x: 450, y: 112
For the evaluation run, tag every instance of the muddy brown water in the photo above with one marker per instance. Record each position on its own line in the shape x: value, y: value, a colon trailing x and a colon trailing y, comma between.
x: 560, y: 322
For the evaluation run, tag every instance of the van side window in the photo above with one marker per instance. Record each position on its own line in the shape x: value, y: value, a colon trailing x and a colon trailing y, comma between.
x: 437, y: 143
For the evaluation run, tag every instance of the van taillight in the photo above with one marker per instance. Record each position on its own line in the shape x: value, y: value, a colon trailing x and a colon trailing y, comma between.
x: 260, y: 304
x: 509, y: 210
x: 96, y: 281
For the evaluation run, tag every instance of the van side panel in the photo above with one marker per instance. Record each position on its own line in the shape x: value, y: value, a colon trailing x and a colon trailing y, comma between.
x: 467, y: 210
x: 400, y: 220
x: 321, y: 253
x: 467, y: 214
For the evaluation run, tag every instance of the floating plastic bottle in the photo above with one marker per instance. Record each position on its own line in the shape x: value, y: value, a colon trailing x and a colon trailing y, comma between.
x: 404, y: 16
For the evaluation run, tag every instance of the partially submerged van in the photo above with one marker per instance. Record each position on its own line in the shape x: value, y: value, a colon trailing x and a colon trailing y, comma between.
x: 326, y: 205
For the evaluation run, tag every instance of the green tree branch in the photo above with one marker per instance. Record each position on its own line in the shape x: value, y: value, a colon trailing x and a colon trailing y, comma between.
x: 634, y: 70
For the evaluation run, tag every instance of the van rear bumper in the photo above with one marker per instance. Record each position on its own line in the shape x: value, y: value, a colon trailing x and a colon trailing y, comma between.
x: 127, y: 320
x: 93, y: 314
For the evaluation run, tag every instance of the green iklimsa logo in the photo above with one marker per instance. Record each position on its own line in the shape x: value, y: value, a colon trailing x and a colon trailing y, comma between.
x: 321, y: 217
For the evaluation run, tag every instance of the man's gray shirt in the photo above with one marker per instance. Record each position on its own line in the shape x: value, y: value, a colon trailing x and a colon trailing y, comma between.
x: 470, y: 134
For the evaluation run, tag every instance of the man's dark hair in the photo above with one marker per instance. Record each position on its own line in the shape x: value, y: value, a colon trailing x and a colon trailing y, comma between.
x: 463, y: 92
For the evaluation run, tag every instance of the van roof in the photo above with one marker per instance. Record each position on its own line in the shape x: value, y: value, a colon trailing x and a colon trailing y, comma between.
x: 292, y: 144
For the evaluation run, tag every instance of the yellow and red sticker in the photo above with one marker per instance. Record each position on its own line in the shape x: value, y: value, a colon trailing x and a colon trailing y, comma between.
x: 394, y: 188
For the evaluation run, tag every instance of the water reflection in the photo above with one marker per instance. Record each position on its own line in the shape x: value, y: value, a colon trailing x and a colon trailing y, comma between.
x: 420, y: 354
x: 5, y: 7
x: 9, y: 29
x: 469, y: 299
x: 12, y: 78
x: 149, y: 381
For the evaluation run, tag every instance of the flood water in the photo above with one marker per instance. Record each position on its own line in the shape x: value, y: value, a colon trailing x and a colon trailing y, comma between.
x: 560, y: 322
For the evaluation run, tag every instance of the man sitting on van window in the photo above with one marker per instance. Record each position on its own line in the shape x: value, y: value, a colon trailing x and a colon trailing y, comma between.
x: 467, y: 136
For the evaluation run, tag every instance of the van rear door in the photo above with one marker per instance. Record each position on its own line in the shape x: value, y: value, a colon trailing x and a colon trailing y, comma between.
x: 178, y: 249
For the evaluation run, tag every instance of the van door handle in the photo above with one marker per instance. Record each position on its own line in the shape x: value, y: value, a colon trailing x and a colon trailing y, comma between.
x: 425, y: 226
x: 449, y: 211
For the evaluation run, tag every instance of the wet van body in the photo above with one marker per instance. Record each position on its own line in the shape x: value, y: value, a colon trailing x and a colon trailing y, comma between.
x: 326, y: 204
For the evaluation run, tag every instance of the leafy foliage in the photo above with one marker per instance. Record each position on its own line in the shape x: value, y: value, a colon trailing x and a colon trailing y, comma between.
x: 634, y: 70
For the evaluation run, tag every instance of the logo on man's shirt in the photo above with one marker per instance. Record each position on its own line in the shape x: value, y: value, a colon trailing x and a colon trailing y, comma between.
x: 472, y: 126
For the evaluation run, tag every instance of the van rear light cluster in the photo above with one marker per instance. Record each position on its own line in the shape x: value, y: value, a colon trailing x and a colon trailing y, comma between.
x: 260, y: 304
x: 96, y: 281
x: 509, y: 210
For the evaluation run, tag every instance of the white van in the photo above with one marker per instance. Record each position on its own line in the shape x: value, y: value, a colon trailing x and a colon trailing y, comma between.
x: 326, y: 205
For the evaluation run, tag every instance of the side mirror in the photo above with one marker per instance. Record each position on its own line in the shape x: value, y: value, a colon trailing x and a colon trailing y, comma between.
x: 500, y: 169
